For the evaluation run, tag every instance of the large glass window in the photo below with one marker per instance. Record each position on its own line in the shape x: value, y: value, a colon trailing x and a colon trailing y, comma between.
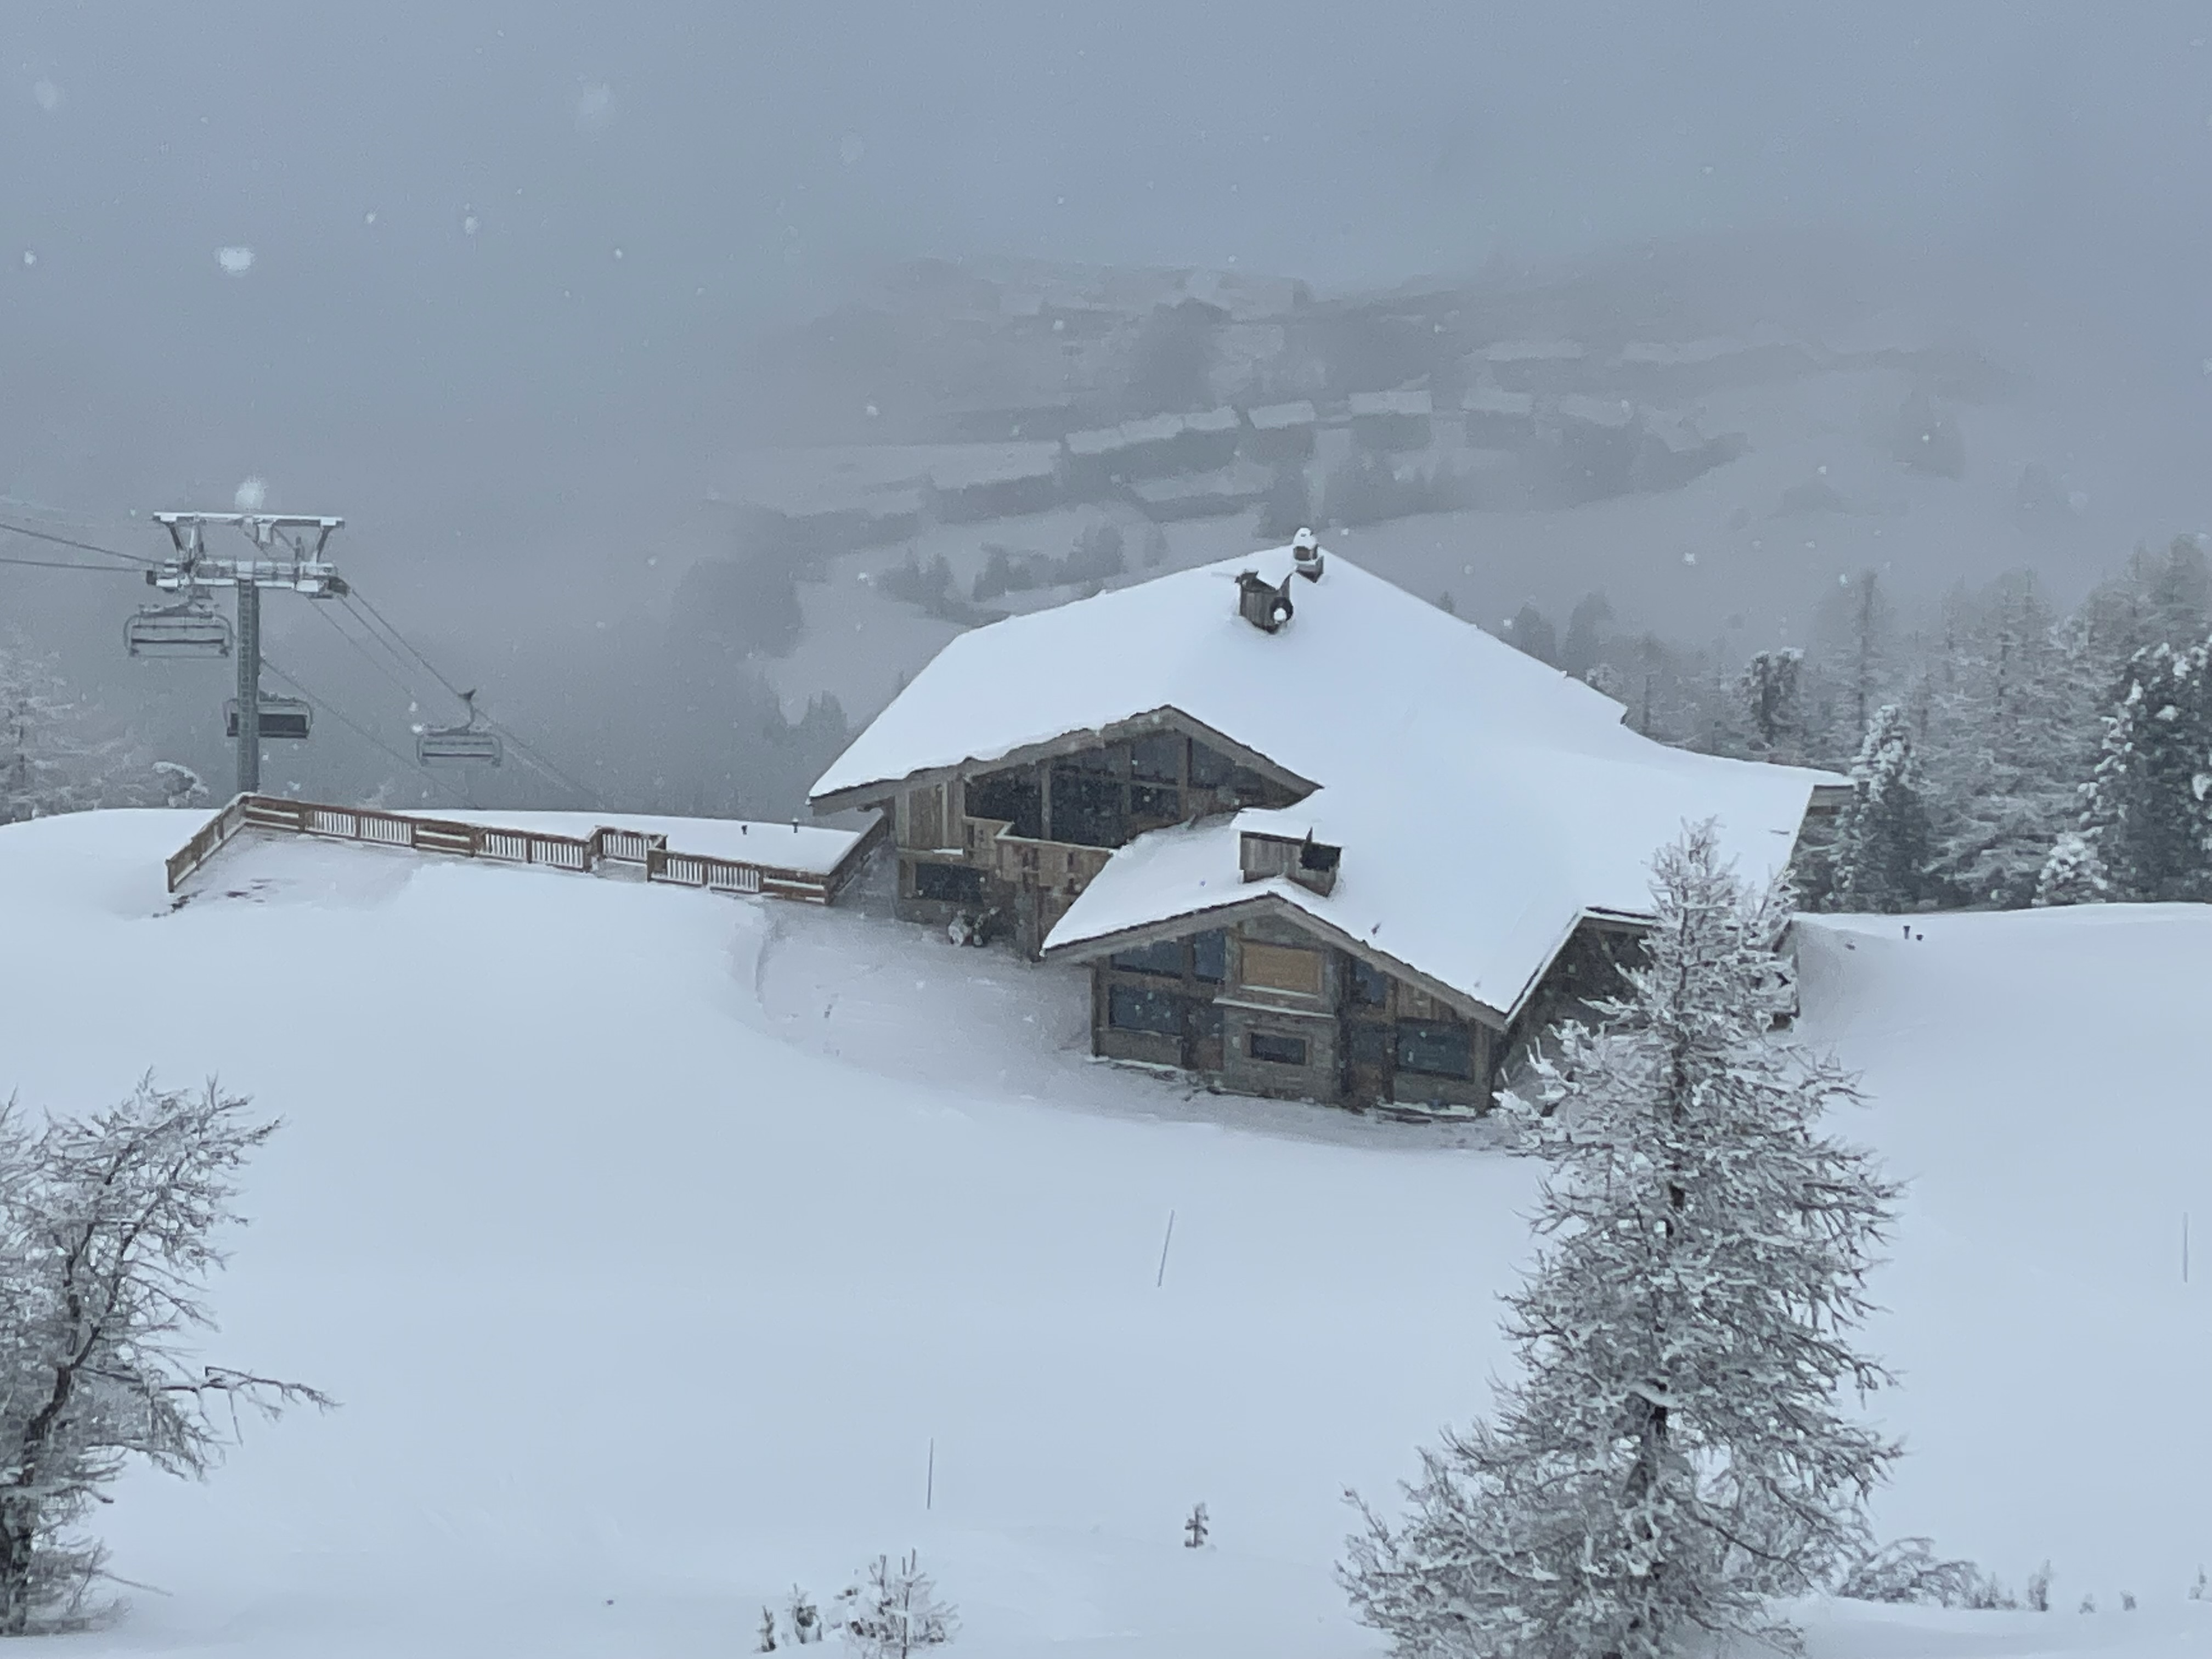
x: 1370, y: 1043
x: 1135, y: 1008
x: 954, y: 883
x: 1433, y: 1049
x: 1276, y: 1050
x: 1013, y: 797
x: 1157, y: 759
x: 1208, y: 769
x: 1164, y: 957
x: 1086, y: 808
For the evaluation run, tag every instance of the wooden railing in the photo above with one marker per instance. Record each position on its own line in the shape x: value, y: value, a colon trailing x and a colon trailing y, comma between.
x: 1056, y: 866
x: 605, y: 851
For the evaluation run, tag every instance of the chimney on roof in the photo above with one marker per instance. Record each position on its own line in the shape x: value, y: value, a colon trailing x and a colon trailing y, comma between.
x: 1305, y: 554
x: 1266, y: 606
x: 1312, y: 864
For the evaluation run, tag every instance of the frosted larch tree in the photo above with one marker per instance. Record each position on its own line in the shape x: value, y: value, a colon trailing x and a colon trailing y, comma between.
x: 1673, y: 1452
x: 108, y: 1230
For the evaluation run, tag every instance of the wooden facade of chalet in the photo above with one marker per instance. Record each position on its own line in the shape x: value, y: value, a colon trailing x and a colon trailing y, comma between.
x: 1254, y: 996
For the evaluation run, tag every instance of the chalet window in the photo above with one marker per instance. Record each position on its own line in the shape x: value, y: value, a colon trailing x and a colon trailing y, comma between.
x: 1370, y: 985
x: 1162, y: 804
x: 1209, y: 955
x: 1276, y: 1050
x: 1207, y: 770
x: 1136, y: 1008
x: 1087, y: 809
x: 954, y: 883
x: 1011, y: 797
x: 1433, y: 1049
x: 1164, y: 958
x: 1205, y: 1021
x: 1157, y: 759
x: 1370, y: 1043
x: 1282, y: 968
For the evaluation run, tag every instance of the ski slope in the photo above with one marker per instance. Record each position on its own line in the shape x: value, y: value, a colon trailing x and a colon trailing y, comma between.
x: 651, y: 1241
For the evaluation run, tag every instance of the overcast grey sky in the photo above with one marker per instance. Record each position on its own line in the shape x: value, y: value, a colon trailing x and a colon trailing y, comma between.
x: 593, y: 204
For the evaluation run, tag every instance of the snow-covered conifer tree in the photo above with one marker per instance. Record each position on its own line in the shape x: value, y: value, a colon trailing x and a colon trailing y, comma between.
x: 48, y: 763
x: 2073, y: 874
x: 1674, y: 1452
x: 107, y: 1229
x: 2148, y: 807
x: 893, y: 1612
x: 2007, y: 746
x: 1882, y: 839
x: 1769, y: 688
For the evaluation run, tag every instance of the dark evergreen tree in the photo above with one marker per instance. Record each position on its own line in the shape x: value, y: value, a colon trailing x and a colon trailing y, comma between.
x: 1882, y: 840
x: 2148, y: 807
x: 1770, y: 687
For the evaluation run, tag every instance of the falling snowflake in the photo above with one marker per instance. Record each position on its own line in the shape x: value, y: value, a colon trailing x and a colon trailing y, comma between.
x: 851, y: 147
x: 235, y: 261
x: 368, y: 218
x: 252, y: 496
x: 1689, y: 558
x: 618, y: 253
x: 29, y: 257
x: 595, y: 107
x: 469, y: 223
x: 46, y: 95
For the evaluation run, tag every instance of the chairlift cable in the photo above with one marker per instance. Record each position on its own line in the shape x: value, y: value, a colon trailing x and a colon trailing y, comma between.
x: 541, y: 762
x: 367, y: 655
x: 82, y: 546
x: 67, y: 564
x: 360, y: 731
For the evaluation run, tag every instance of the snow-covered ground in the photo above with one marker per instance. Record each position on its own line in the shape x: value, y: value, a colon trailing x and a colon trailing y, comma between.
x: 651, y: 1239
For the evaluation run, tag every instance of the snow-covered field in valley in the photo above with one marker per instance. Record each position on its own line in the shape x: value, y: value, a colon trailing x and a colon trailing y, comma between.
x: 656, y: 1243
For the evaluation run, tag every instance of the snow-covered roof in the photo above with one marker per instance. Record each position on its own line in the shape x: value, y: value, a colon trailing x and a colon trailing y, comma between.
x: 1531, y: 351
x: 1597, y: 411
x: 1485, y: 802
x: 1409, y: 402
x: 1276, y: 417
x: 1494, y: 400
x: 1238, y: 481
x: 1210, y: 420
x: 968, y: 466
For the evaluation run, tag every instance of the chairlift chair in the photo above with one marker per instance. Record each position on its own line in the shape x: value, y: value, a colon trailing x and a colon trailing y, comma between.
x: 193, y: 628
x: 283, y: 719
x: 467, y: 744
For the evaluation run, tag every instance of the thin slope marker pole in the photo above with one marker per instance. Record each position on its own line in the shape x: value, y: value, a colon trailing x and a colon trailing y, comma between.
x: 2185, y: 1247
x: 1161, y: 1277
x: 929, y: 1491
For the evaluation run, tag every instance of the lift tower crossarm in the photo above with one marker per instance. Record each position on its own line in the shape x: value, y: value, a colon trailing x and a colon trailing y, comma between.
x: 290, y: 550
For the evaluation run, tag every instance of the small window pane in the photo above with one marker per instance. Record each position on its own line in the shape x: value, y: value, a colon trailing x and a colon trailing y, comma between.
x: 1158, y: 759
x: 1152, y: 800
x: 1208, y: 770
x: 1164, y: 957
x: 1370, y: 1044
x: 1276, y: 1050
x: 1370, y: 985
x: 1433, y: 1049
x: 1134, y: 1008
x: 1209, y: 953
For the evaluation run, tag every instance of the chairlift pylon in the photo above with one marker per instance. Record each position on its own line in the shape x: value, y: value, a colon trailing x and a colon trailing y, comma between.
x: 283, y: 719
x: 193, y: 628
x: 467, y: 744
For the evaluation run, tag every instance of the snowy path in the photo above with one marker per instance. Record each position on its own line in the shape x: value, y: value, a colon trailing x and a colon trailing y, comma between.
x: 646, y: 1287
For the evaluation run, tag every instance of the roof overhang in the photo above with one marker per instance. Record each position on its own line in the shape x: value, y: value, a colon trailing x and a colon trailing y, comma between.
x: 1268, y: 900
x: 1147, y: 724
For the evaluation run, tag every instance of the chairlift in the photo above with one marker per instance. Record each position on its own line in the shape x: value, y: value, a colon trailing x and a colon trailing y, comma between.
x: 193, y: 628
x: 284, y: 720
x: 467, y: 744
